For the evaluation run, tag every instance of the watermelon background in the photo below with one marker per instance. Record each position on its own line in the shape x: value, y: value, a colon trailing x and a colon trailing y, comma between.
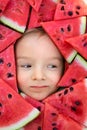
x: 65, y: 22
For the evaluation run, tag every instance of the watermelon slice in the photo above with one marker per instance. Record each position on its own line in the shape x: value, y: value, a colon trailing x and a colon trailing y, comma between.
x: 7, y: 37
x: 15, y: 112
x: 38, y: 122
x: 59, y: 30
x: 45, y: 13
x: 68, y: 9
x: 80, y: 44
x: 16, y: 15
x: 72, y: 102
x: 3, y: 4
x: 7, y: 67
x: 53, y: 120
x: 35, y: 4
x: 75, y: 72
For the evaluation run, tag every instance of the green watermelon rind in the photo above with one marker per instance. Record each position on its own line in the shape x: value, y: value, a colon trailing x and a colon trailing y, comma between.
x: 71, y: 56
x: 14, y: 25
x: 24, y: 121
x: 81, y: 61
x: 83, y: 25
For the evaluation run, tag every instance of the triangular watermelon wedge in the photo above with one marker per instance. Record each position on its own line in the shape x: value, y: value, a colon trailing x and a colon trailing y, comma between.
x: 80, y: 44
x: 16, y: 15
x: 35, y: 4
x: 59, y: 30
x: 45, y: 13
x: 38, y: 122
x: 75, y: 72
x: 53, y: 120
x: 3, y: 4
x: 69, y: 9
x: 15, y: 112
x: 7, y: 37
x: 72, y: 102
x: 7, y: 67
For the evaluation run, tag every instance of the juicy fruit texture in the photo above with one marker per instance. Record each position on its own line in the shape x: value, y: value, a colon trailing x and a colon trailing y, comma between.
x: 58, y: 121
x: 79, y: 67
x: 3, y: 4
x: 80, y: 44
x: 15, y: 112
x: 72, y: 102
x: 7, y: 67
x: 37, y: 123
x: 14, y: 13
x: 45, y: 13
x: 7, y: 37
x: 59, y: 30
x: 35, y: 4
x: 68, y: 9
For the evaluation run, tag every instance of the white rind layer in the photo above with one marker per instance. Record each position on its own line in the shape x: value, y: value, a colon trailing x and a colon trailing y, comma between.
x: 81, y: 61
x: 71, y: 56
x: 83, y: 25
x: 12, y: 24
x: 22, y: 122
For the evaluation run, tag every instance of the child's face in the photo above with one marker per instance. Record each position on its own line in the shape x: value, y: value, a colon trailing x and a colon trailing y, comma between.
x: 39, y: 66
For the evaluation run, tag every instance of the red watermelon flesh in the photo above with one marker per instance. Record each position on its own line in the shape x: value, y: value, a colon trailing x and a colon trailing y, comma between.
x: 16, y: 15
x: 7, y: 67
x: 59, y: 30
x: 37, y: 123
x: 69, y: 9
x: 45, y: 13
x: 72, y: 102
x: 80, y: 44
x: 15, y: 112
x: 53, y: 120
x: 7, y: 37
x: 75, y: 72
x: 3, y: 4
x: 35, y: 4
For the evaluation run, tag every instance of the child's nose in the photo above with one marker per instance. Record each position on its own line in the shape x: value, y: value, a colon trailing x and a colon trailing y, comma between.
x: 38, y: 74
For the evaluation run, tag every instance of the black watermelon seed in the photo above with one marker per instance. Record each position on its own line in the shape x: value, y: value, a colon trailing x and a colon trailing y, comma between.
x: 0, y: 11
x: 69, y: 28
x: 39, y: 128
x: 77, y: 103
x: 9, y: 64
x: 0, y: 104
x: 78, y: 7
x: 59, y: 94
x: 9, y: 95
x: 62, y: 29
x: 62, y: 8
x: 54, y: 124
x: 53, y: 114
x: 1, y: 37
x: 9, y: 75
x: 66, y: 91
x: 39, y: 108
x: 70, y: 13
x: 73, y: 108
x: 55, y: 128
x: 71, y: 88
x: 1, y: 61
x: 62, y: 2
x: 85, y: 44
x: 74, y: 80
x: 77, y: 12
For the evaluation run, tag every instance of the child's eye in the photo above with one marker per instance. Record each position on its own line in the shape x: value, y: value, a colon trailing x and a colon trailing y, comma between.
x: 52, y: 66
x: 26, y: 66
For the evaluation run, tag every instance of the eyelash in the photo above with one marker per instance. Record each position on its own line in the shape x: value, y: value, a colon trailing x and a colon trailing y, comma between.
x: 52, y: 66
x: 26, y: 66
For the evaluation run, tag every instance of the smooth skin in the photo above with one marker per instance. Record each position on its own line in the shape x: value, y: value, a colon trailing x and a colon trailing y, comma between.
x: 39, y: 65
